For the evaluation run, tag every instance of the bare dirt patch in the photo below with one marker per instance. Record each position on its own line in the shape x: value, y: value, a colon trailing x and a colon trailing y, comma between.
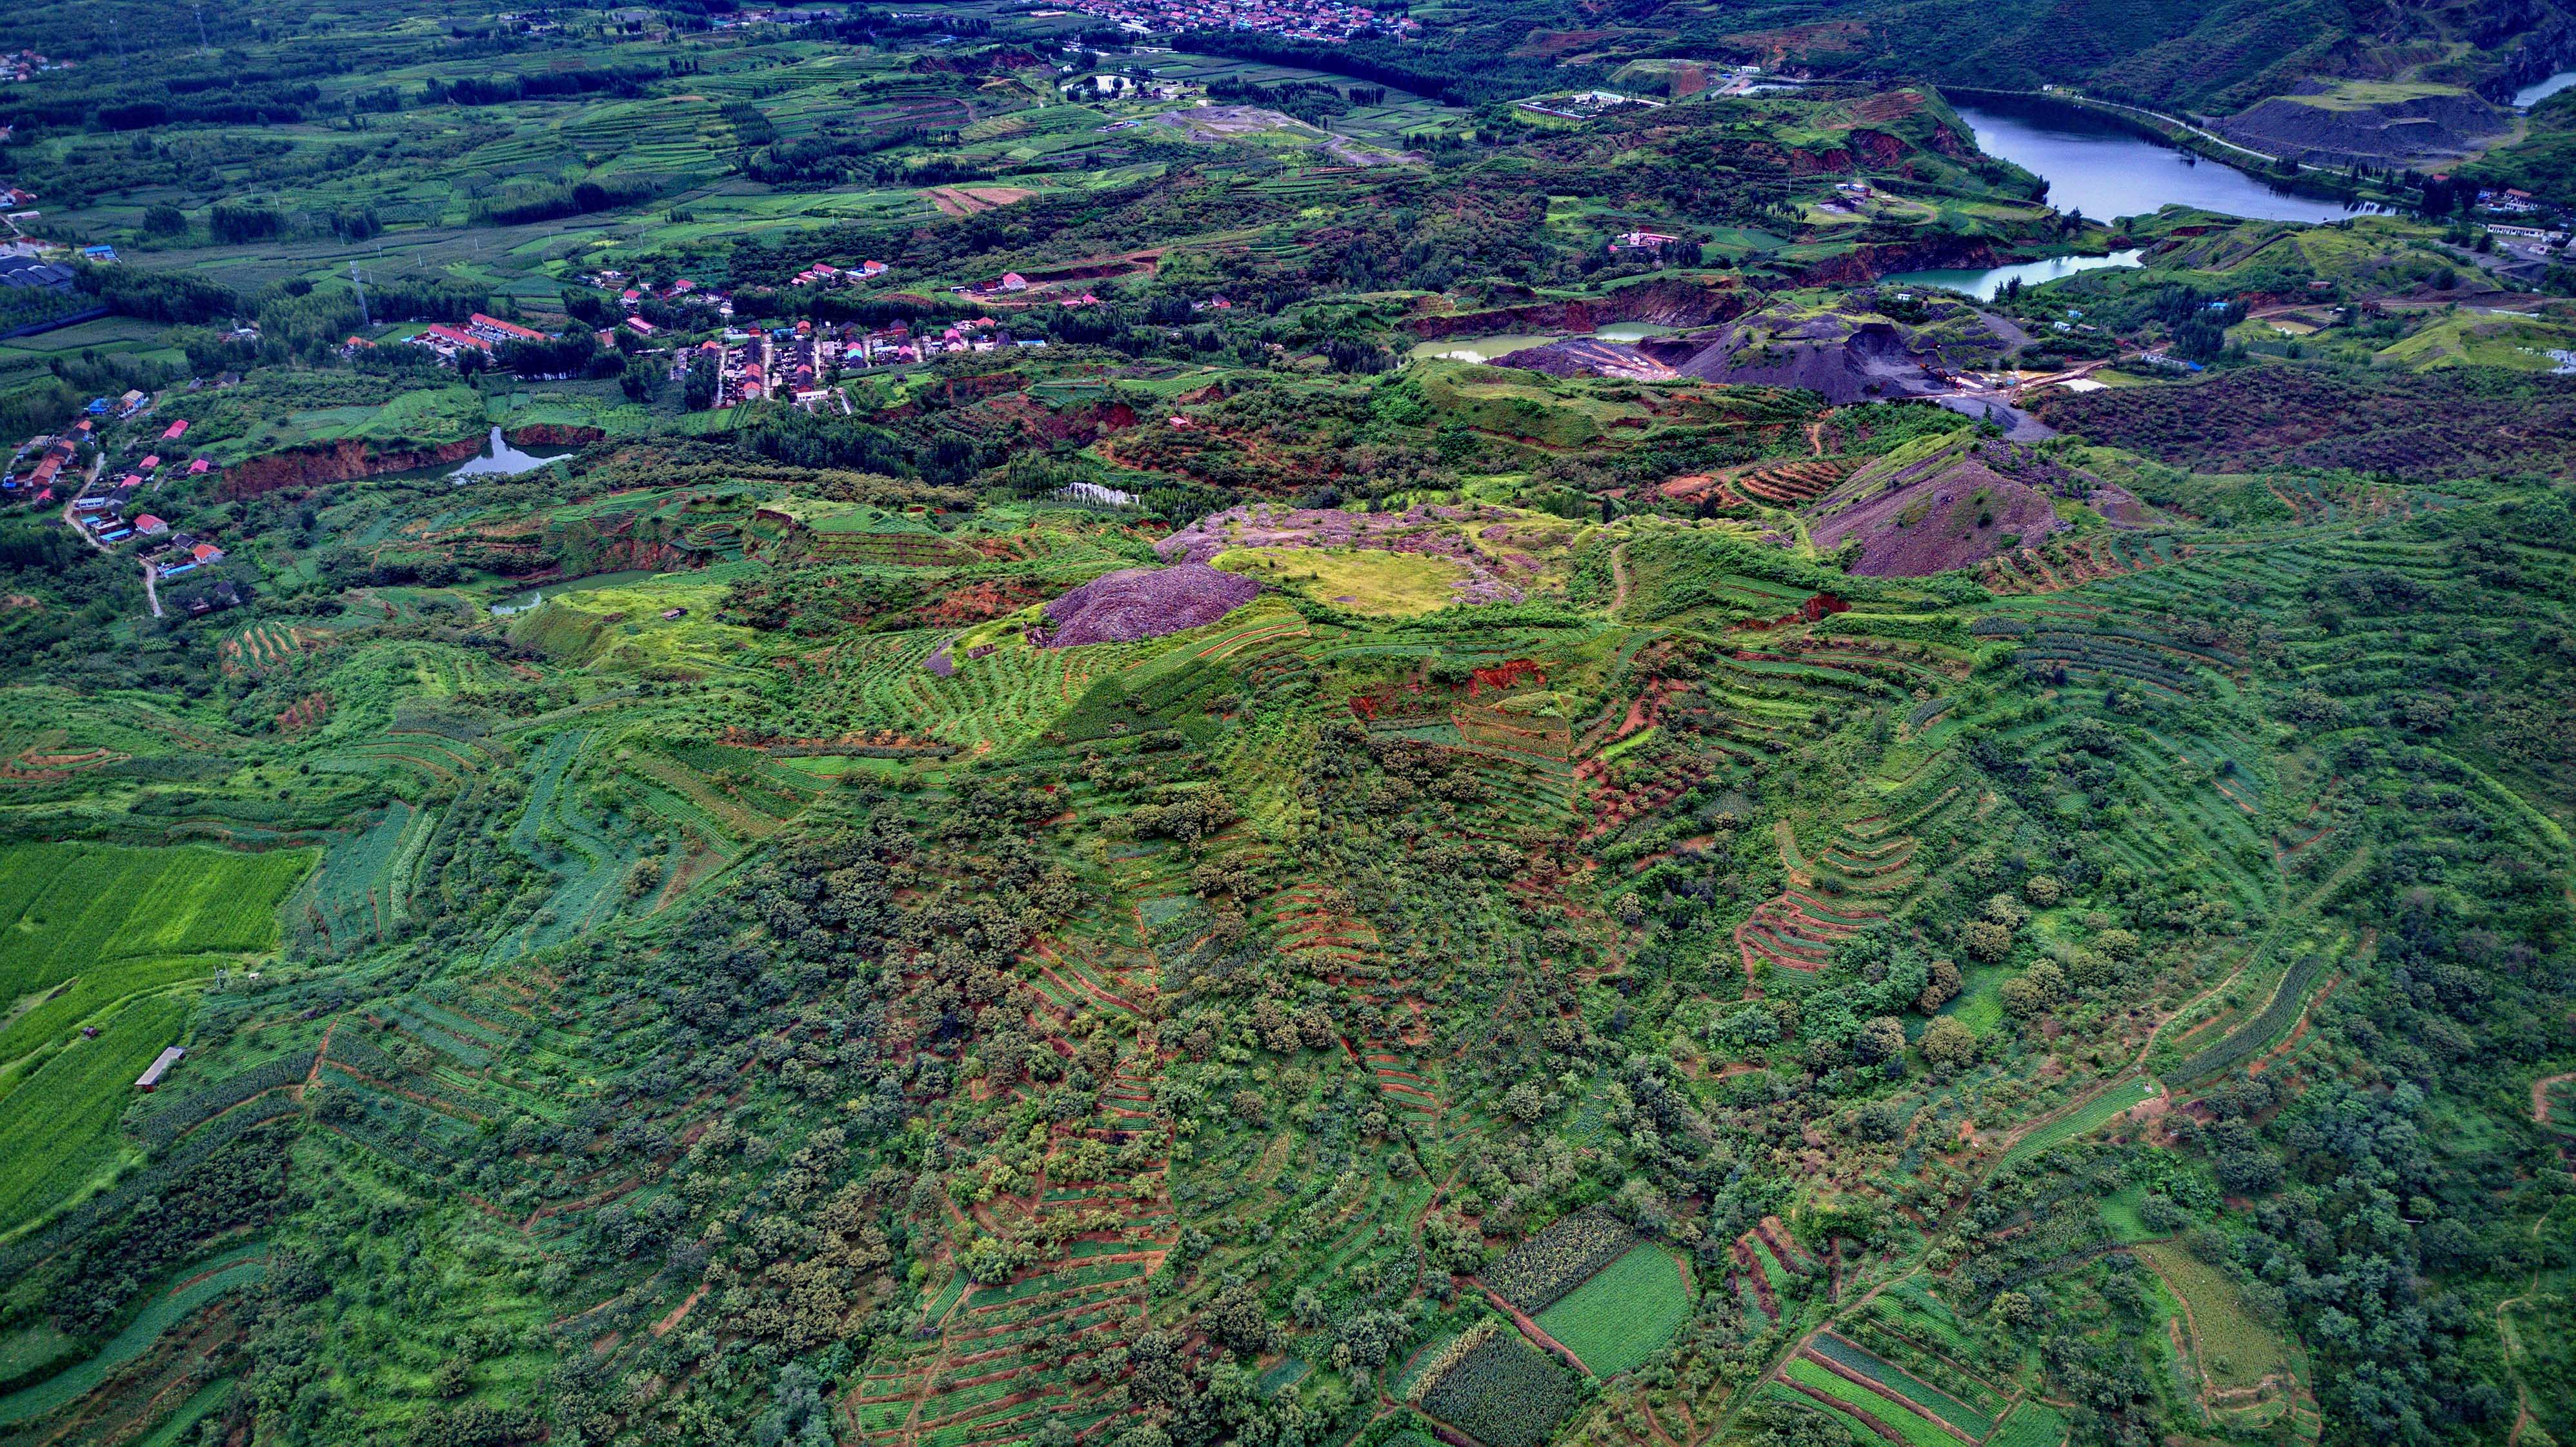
x: 968, y: 200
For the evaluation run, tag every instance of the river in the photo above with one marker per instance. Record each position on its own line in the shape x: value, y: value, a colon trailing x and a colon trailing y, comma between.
x: 2102, y: 169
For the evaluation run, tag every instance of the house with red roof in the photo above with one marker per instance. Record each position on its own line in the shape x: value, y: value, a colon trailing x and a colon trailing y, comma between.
x: 175, y: 431
x: 447, y: 341
x: 499, y: 330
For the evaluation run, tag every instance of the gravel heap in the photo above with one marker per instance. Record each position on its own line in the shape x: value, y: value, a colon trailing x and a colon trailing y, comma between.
x: 1135, y: 603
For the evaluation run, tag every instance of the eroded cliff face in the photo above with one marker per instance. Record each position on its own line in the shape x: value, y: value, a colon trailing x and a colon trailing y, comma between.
x: 1867, y: 263
x: 353, y: 459
x: 553, y: 434
x: 344, y: 461
x: 2319, y: 127
x: 1677, y: 303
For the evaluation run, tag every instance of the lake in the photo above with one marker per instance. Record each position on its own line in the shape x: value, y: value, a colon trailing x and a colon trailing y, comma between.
x: 2103, y: 170
x: 1986, y: 285
x: 2538, y: 91
x: 500, y: 459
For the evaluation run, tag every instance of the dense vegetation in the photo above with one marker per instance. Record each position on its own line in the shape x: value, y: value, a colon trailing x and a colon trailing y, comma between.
x: 1256, y: 835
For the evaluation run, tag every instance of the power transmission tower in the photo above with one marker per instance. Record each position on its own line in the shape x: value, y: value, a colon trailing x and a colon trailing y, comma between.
x: 361, y: 288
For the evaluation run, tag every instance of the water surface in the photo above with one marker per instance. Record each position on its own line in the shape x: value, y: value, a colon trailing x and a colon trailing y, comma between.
x: 2541, y: 90
x: 1479, y: 349
x: 500, y: 459
x: 2095, y: 166
x: 1987, y: 284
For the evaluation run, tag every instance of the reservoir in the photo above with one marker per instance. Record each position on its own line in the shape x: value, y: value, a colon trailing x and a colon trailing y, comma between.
x: 1987, y: 284
x: 500, y: 459
x: 2097, y: 167
x: 2538, y: 91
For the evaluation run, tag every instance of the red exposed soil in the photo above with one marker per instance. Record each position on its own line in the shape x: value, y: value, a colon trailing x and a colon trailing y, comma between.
x: 553, y: 434
x: 1867, y: 263
x: 1808, y: 612
x: 1504, y: 677
x: 304, y: 713
x: 345, y: 461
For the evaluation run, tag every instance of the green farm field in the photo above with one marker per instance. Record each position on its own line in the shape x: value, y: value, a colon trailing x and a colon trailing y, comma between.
x: 1626, y: 1311
x: 2235, y: 1351
x: 111, y: 938
x: 1189, y: 709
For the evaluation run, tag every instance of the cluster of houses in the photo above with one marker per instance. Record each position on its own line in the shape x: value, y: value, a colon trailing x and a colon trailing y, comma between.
x: 109, y: 514
x: 52, y: 455
x: 1849, y: 197
x: 2507, y: 201
x: 1297, y: 19
x: 821, y: 275
x: 480, y: 333
x: 799, y: 363
x: 27, y: 65
x: 1585, y: 104
x: 1641, y: 241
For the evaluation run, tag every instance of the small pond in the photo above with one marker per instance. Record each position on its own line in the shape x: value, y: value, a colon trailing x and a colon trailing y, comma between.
x: 1988, y: 283
x: 500, y: 459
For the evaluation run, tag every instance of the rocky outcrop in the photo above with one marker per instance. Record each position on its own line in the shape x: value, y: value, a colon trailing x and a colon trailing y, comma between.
x: 2320, y: 128
x: 1681, y: 302
x: 1588, y: 357
x: 1935, y: 505
x: 1867, y: 263
x: 343, y: 461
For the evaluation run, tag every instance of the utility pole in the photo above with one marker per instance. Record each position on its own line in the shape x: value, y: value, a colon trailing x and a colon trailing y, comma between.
x: 361, y: 288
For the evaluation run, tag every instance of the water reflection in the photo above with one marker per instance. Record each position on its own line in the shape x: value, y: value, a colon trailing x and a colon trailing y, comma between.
x: 1986, y: 285
x: 2095, y: 166
x: 500, y: 459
